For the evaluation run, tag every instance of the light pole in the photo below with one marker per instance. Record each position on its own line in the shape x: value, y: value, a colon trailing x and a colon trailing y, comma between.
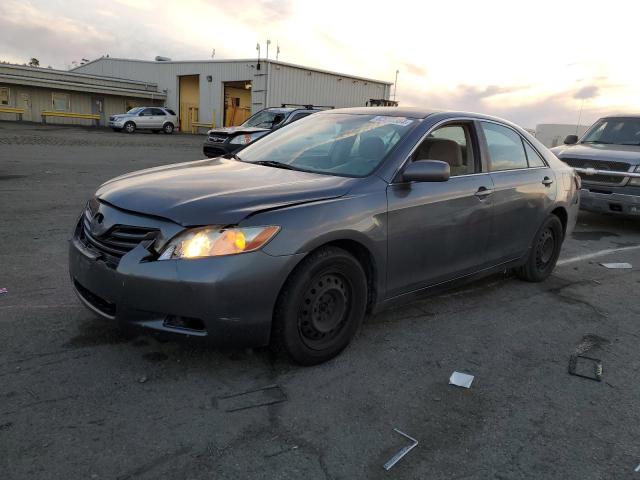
x: 268, y: 43
x: 395, y: 86
x: 258, y: 49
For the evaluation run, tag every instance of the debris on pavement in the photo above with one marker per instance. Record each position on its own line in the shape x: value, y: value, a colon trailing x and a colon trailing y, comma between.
x: 617, y: 265
x: 578, y: 371
x: 403, y: 451
x: 143, y: 379
x: 259, y: 397
x: 461, y: 379
x: 4, y: 290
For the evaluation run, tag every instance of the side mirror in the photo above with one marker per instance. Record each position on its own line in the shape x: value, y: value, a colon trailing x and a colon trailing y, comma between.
x: 427, y: 171
x: 571, y: 140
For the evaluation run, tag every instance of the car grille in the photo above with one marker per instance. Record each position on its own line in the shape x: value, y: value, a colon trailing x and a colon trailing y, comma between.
x: 599, y: 165
x: 117, y: 241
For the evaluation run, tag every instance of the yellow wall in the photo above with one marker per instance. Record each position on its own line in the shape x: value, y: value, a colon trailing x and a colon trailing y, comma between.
x: 236, y: 115
x: 189, y: 101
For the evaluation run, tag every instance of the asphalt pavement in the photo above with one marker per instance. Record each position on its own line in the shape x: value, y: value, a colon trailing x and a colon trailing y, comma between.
x: 80, y: 399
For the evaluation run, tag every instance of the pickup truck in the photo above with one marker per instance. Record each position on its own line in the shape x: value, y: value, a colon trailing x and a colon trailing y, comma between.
x: 607, y: 158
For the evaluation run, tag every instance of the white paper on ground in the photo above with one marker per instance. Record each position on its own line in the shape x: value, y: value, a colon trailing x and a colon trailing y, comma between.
x: 617, y: 265
x: 461, y: 379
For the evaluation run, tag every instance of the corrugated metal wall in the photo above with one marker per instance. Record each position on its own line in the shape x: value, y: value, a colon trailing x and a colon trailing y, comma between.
x: 295, y: 85
x: 40, y: 99
x: 287, y: 84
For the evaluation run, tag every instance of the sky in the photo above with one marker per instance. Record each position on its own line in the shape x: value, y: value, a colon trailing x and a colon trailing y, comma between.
x: 529, y: 62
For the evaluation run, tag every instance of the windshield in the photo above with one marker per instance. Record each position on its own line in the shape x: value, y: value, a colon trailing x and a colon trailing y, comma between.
x: 264, y: 119
x: 335, y: 144
x: 136, y: 110
x: 620, y: 131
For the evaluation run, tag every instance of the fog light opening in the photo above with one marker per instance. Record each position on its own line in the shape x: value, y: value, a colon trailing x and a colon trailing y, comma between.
x: 184, y: 323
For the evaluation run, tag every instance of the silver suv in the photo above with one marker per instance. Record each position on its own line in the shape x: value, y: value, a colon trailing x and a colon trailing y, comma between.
x: 150, y: 118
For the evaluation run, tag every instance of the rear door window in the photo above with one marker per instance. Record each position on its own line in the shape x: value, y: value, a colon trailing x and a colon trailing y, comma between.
x: 535, y: 160
x: 506, y: 150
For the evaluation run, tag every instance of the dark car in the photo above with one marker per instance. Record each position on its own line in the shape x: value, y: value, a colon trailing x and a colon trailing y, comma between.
x: 221, y: 141
x: 342, y: 213
x: 608, y: 160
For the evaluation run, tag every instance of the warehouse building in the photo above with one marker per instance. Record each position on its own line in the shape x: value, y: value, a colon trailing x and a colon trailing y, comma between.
x: 61, y: 97
x: 227, y: 92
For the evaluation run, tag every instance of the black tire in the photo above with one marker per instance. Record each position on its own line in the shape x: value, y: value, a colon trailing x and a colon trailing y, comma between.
x: 167, y: 128
x: 129, y: 127
x: 320, y: 307
x: 544, y: 251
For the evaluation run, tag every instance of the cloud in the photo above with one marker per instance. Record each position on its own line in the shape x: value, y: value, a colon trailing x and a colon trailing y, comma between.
x: 586, y: 92
x: 413, y: 69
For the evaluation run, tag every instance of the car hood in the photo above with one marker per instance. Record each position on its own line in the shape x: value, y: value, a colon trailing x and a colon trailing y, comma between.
x: 218, y: 191
x: 236, y: 130
x: 595, y: 151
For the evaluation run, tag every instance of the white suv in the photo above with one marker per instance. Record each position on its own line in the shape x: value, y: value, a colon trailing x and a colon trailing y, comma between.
x: 150, y: 118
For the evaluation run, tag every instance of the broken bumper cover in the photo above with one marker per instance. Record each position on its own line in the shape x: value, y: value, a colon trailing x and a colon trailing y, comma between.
x: 229, y: 300
x: 217, y: 149
x: 610, y: 200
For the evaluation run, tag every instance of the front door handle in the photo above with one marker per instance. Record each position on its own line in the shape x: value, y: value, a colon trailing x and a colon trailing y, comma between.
x: 547, y: 182
x: 483, y: 192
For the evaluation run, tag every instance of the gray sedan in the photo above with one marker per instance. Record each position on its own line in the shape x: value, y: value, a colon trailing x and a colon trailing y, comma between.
x: 294, y: 240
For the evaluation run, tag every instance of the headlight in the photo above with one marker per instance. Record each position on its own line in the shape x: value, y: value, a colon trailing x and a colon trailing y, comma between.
x: 246, y: 138
x: 215, y: 241
x: 635, y: 181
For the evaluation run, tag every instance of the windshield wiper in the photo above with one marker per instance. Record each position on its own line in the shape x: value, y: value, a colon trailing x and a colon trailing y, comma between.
x: 597, y: 141
x: 271, y: 163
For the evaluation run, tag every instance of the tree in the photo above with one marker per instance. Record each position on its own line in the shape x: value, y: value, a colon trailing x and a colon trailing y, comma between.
x: 34, y: 62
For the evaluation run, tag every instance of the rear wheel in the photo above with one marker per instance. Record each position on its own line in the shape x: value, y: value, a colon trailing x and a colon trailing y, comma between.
x: 320, y: 307
x: 129, y: 127
x: 167, y: 128
x: 544, y: 252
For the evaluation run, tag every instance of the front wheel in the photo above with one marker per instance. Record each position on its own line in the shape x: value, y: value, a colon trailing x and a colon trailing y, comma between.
x: 320, y: 307
x: 544, y: 252
x: 129, y: 127
x: 167, y: 128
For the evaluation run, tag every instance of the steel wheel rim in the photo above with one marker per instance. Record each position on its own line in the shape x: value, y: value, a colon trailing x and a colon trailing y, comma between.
x: 324, y: 310
x: 545, y: 249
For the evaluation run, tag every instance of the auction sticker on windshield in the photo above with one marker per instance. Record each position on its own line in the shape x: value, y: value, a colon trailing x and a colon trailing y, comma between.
x: 403, y: 121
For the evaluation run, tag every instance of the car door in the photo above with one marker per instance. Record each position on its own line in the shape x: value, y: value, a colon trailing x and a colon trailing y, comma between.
x: 438, y: 231
x: 524, y: 190
x: 145, y: 118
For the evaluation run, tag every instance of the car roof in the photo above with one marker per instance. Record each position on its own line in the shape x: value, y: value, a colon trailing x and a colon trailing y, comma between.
x: 388, y: 111
x: 413, y: 112
x: 622, y: 115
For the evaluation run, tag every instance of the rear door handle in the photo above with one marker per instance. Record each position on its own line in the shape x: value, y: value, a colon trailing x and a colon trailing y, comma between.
x: 547, y: 182
x: 483, y: 192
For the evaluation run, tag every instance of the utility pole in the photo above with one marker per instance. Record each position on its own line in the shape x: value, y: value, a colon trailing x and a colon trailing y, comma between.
x: 277, y: 51
x: 258, y: 49
x: 395, y: 86
x: 268, y: 43
x: 579, y: 116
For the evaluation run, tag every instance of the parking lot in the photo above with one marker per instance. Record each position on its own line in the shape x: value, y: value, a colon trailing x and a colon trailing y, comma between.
x: 81, y: 400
